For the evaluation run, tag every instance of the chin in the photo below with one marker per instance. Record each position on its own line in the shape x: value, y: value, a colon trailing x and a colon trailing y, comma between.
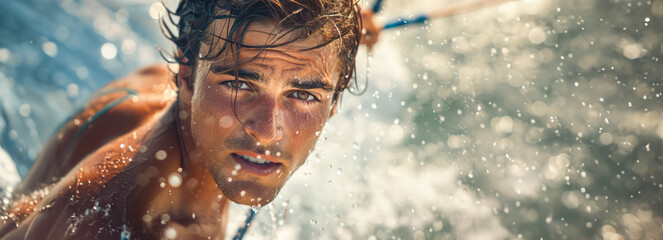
x: 247, y: 193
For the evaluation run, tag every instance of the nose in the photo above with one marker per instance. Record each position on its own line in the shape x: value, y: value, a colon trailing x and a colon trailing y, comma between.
x: 265, y: 121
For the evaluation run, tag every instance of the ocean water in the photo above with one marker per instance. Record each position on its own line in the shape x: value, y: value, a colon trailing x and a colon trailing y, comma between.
x: 535, y: 119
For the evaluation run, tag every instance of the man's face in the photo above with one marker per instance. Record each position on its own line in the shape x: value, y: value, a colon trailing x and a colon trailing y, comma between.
x: 253, y: 134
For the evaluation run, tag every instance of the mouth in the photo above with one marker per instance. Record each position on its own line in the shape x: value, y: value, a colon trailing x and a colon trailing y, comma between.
x: 256, y: 164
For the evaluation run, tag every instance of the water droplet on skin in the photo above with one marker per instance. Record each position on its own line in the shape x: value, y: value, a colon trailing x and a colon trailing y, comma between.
x: 161, y: 155
x: 230, y: 179
x: 238, y: 167
x: 170, y: 233
x: 162, y: 185
x: 225, y: 122
x: 317, y: 133
x: 278, y: 154
x: 267, y: 152
x: 184, y: 115
x: 234, y: 172
x: 165, y: 218
x: 175, y: 180
x: 242, y: 193
x: 147, y: 218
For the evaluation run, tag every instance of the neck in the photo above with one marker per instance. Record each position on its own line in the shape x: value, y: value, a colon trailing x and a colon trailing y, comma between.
x: 189, y: 194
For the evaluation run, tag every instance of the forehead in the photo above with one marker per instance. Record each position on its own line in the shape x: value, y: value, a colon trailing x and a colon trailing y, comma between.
x: 263, y: 43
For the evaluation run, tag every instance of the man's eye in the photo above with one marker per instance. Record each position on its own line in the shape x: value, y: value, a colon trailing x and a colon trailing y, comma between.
x: 237, y: 85
x: 305, y: 96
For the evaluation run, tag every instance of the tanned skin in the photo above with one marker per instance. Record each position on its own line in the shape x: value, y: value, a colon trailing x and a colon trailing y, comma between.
x: 117, y: 166
x: 174, y: 155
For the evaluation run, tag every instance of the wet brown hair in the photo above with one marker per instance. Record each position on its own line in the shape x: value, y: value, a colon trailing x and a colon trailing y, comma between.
x: 331, y: 21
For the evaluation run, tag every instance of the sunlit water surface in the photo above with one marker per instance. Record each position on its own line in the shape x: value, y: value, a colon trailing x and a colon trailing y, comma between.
x: 534, y: 119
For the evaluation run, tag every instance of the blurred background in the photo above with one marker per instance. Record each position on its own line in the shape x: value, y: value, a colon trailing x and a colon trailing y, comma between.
x: 534, y: 119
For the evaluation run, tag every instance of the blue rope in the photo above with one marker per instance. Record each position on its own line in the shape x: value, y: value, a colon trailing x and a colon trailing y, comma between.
x: 376, y: 6
x: 422, y: 18
x: 247, y: 223
x: 406, y: 21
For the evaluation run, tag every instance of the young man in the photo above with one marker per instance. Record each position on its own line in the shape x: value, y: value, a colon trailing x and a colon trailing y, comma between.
x: 160, y: 155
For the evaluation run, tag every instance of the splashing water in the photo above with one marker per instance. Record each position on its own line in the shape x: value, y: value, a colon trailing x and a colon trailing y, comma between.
x: 533, y: 119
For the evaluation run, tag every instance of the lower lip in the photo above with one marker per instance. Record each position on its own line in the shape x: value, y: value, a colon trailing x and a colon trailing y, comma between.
x: 256, y: 169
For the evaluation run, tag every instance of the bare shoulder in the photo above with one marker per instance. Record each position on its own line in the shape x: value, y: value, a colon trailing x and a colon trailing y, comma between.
x: 113, y: 113
x: 151, y: 79
x: 144, y: 86
x: 114, y: 110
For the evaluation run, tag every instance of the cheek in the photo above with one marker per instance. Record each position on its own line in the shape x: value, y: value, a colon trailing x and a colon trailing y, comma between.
x: 226, y: 122
x: 305, y: 128
x: 307, y: 119
x: 212, y: 115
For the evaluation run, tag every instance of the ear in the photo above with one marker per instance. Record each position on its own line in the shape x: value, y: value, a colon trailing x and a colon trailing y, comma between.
x: 184, y: 84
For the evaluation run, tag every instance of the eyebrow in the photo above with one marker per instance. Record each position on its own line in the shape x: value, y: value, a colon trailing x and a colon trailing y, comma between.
x: 313, y: 83
x: 241, y: 73
x: 309, y: 83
